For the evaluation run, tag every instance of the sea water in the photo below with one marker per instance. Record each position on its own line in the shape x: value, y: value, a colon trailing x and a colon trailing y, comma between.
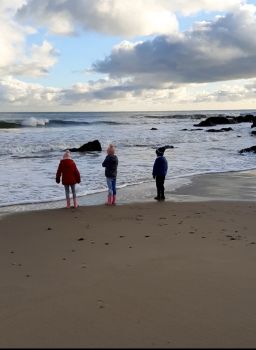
x: 32, y: 144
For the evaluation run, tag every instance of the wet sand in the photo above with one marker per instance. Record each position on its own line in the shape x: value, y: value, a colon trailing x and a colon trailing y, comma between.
x: 173, y: 274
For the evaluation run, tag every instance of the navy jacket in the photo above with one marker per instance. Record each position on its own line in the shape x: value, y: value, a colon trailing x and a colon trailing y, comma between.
x: 110, y: 163
x: 160, y: 166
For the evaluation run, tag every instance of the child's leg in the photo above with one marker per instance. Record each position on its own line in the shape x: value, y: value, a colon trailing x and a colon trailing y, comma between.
x: 66, y: 191
x: 67, y: 195
x: 114, y: 190
x: 161, y: 186
x: 110, y: 191
x: 73, y: 189
x: 158, y: 186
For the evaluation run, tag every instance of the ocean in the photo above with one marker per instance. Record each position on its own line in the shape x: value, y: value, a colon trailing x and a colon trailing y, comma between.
x: 32, y: 144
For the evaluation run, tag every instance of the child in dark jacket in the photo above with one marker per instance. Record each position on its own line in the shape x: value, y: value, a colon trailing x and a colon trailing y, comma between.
x: 70, y: 176
x: 110, y: 164
x: 159, y: 172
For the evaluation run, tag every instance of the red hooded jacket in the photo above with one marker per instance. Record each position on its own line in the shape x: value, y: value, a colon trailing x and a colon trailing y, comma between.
x: 69, y: 172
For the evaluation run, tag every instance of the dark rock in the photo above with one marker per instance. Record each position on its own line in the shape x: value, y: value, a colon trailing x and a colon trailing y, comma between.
x: 153, y: 129
x: 248, y: 118
x: 253, y: 132
x: 88, y: 147
x: 212, y: 121
x: 250, y: 149
x: 253, y: 124
x: 219, y: 130
x: 191, y: 129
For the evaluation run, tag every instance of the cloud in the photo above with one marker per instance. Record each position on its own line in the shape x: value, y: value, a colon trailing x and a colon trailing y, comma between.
x: 17, y: 58
x: 218, y: 50
x: 17, y: 92
x: 111, y: 17
x: 116, y: 17
x: 37, y: 63
x: 107, y: 93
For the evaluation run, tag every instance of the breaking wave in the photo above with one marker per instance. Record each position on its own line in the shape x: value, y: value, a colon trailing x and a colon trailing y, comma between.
x: 35, y: 122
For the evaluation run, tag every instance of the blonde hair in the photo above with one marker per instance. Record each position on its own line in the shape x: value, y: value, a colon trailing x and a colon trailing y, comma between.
x: 111, y: 149
x: 67, y: 155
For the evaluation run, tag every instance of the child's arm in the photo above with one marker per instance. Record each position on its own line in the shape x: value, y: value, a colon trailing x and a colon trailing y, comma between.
x: 77, y: 175
x: 58, y: 174
x: 154, y: 169
x: 105, y: 162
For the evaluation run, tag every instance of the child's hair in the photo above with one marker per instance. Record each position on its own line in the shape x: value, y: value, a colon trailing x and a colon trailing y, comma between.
x: 67, y: 155
x: 111, y: 149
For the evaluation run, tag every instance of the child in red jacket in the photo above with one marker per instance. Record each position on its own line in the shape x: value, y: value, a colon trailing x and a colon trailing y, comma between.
x: 70, y: 176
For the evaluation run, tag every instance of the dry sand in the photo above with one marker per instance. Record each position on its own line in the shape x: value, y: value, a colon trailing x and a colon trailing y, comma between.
x: 140, y: 275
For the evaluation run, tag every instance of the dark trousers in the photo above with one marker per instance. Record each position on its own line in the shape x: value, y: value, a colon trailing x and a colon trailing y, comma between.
x: 160, y: 186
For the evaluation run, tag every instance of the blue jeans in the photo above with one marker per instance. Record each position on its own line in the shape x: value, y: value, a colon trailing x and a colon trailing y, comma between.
x: 73, y: 189
x: 111, y: 182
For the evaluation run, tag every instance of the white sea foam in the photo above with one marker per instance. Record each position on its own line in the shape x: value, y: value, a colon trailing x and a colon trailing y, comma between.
x: 33, y: 122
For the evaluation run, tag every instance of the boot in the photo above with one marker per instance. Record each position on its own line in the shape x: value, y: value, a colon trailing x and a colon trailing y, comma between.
x: 157, y: 198
x: 75, y: 203
x: 109, y: 200
x: 114, y: 200
x: 68, y: 203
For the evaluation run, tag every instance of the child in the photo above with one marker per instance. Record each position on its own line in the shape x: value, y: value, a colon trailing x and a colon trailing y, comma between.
x: 110, y: 164
x: 159, y: 172
x: 70, y: 176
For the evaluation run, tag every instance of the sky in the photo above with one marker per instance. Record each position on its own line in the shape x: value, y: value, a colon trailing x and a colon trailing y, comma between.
x: 123, y: 55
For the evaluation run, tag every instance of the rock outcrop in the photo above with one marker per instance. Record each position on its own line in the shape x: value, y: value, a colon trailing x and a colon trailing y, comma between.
x: 219, y: 130
x: 250, y: 149
x: 88, y: 147
x: 220, y: 120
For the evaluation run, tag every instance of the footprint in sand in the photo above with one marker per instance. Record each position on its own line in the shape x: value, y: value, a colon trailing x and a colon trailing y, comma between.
x: 101, y: 304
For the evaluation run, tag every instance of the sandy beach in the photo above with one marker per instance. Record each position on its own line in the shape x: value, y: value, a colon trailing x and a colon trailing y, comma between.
x: 173, y: 274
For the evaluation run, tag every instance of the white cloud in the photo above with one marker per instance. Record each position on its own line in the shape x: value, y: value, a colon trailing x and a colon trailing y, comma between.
x: 37, y: 63
x: 111, y: 17
x: 16, y: 57
x: 17, y: 92
x: 105, y: 93
x: 116, y: 17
